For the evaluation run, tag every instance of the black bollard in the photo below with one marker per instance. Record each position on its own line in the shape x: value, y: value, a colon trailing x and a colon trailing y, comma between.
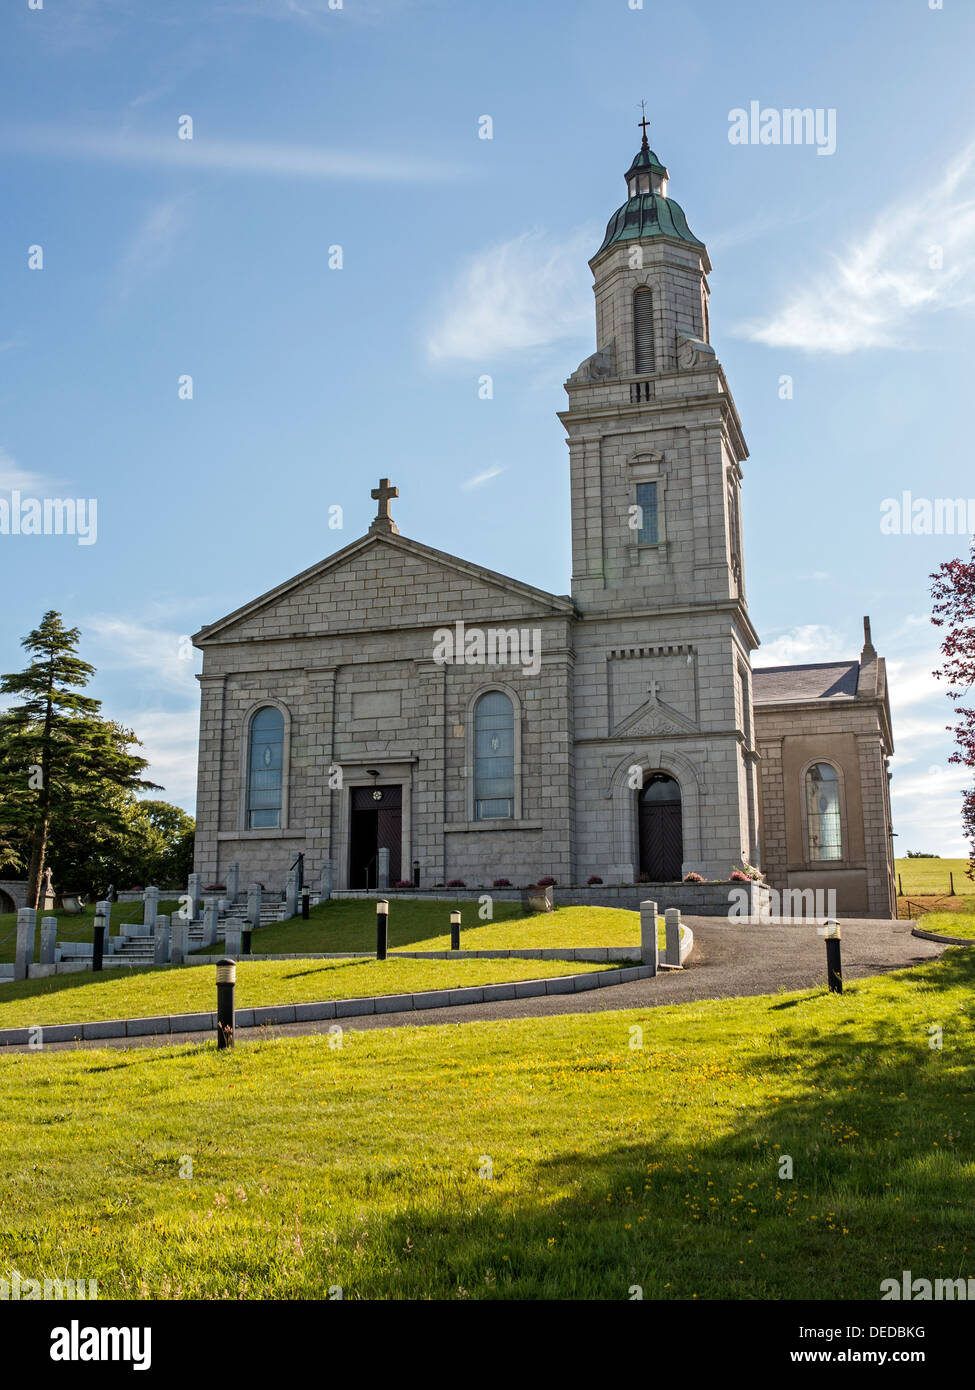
x: 834, y: 963
x: 455, y: 929
x: 382, y: 924
x: 416, y: 873
x: 98, y: 941
x: 226, y: 987
x: 245, y: 941
x: 305, y: 904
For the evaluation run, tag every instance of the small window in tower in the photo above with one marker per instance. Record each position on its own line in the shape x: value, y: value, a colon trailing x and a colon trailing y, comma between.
x: 643, y: 330
x: 646, y: 498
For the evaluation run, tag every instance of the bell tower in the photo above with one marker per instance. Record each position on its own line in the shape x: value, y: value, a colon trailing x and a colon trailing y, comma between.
x: 655, y: 455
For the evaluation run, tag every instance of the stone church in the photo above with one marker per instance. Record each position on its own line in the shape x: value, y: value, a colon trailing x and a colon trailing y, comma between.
x: 396, y: 697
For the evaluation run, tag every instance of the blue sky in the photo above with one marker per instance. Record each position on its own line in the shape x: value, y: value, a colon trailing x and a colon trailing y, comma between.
x: 357, y: 127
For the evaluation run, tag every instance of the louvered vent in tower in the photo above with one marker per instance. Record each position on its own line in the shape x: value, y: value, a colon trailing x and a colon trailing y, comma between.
x: 643, y: 330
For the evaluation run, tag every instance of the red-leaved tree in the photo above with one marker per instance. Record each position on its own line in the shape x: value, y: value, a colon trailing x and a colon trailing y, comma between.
x: 953, y: 592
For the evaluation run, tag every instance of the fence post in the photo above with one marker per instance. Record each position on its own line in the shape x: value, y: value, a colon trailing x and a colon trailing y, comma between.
x: 161, y: 929
x: 179, y: 940
x: 210, y: 924
x: 672, y: 927
x: 648, y: 935
x: 193, y: 893
x: 150, y: 911
x: 26, y: 926
x: 291, y: 893
x: 254, y: 905
x: 49, y: 939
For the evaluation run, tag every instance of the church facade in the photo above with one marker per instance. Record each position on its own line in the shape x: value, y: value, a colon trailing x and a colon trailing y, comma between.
x: 396, y: 697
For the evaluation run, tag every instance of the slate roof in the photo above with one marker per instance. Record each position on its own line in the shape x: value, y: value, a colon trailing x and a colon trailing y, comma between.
x: 825, y: 680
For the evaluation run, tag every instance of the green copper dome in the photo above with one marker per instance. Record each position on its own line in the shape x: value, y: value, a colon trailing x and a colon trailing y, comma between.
x: 648, y: 212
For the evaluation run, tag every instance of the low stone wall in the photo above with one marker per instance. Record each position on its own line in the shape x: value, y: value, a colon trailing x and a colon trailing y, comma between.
x: 693, y: 899
x: 325, y: 1009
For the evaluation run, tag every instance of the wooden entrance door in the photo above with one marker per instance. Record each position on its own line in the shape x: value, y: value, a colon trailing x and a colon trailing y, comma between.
x: 375, y: 823
x: 661, y: 829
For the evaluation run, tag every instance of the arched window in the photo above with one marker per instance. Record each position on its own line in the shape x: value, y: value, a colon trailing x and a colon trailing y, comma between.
x: 494, y: 757
x: 823, y: 831
x: 265, y: 765
x: 643, y: 330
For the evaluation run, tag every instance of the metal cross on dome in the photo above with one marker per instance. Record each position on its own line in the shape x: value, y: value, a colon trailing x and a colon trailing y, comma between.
x: 644, y: 123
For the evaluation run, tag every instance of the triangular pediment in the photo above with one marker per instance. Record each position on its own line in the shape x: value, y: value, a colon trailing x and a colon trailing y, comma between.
x: 384, y: 581
x: 654, y: 718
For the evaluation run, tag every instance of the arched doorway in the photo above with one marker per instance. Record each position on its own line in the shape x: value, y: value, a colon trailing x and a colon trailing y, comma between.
x: 661, y: 833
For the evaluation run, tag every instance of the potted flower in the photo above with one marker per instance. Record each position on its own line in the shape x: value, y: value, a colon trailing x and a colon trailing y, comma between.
x: 501, y: 883
x: 456, y: 883
x: 693, y: 878
x: 593, y: 879
x: 546, y: 882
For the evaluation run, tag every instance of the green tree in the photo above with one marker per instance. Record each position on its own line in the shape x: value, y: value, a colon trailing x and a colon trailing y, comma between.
x: 61, y: 763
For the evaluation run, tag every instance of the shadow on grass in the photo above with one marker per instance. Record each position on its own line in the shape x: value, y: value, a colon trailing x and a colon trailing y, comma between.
x: 876, y: 1124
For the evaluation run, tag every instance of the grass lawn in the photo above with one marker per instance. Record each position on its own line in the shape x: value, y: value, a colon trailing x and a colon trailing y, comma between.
x: 75, y: 926
x: 125, y: 993
x: 530, y: 1158
x: 350, y: 925
x: 922, y: 878
x: 949, y: 923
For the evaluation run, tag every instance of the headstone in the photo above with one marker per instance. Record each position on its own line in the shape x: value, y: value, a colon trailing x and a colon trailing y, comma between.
x: 672, y: 925
x: 382, y: 870
x: 291, y: 893
x: 193, y: 893
x: 231, y: 937
x: 161, y: 930
x: 648, y: 935
x: 210, y: 916
x: 47, y: 896
x: 26, y: 927
x: 151, y: 909
x: 328, y: 876
x: 233, y: 881
x: 254, y: 904
x: 180, y: 940
x: 49, y: 939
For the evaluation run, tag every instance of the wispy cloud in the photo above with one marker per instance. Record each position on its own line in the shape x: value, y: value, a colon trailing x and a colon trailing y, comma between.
x: 207, y: 153
x: 916, y: 258
x: 806, y: 644
x: 12, y: 475
x: 479, y: 479
x: 152, y: 242
x: 161, y: 656
x: 169, y: 742
x: 524, y: 293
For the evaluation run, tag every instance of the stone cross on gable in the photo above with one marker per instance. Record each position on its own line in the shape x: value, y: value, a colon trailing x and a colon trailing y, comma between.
x: 653, y: 689
x: 383, y: 494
